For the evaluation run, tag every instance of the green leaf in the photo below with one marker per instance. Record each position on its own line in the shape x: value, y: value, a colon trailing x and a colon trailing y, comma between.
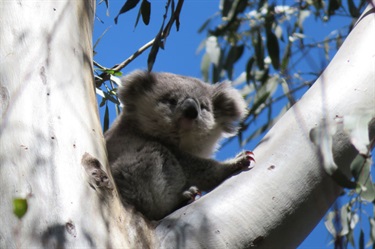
x: 329, y: 223
x: 129, y: 4
x: 259, y: 102
x: 213, y: 50
x: 107, y: 5
x: 205, y: 24
x: 344, y: 220
x: 286, y: 57
x: 354, y: 12
x: 333, y: 5
x: 357, y: 127
x: 137, y: 19
x: 265, y: 127
x: 226, y: 7
x: 326, y: 48
x: 234, y: 54
x: 249, y: 67
x: 356, y: 167
x: 302, y: 17
x: 350, y: 238
x: 106, y: 119
x: 19, y: 207
x: 273, y: 49
x: 361, y: 168
x: 102, y: 103
x: 322, y: 138
x: 372, y: 232
x: 146, y: 11
x: 259, y: 50
x: 339, y: 40
x: 205, y: 65
x: 117, y: 73
x: 154, y: 51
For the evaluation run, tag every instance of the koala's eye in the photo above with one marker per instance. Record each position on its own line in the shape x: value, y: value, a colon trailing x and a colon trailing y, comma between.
x: 169, y: 100
x: 172, y: 101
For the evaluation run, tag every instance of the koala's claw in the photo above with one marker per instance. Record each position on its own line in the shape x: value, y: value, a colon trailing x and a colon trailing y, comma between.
x: 245, y: 158
x: 192, y: 194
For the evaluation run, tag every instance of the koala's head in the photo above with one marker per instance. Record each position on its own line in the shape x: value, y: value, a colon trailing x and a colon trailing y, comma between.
x: 181, y: 111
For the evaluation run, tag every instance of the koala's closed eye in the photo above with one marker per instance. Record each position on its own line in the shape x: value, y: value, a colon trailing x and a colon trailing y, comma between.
x: 169, y: 100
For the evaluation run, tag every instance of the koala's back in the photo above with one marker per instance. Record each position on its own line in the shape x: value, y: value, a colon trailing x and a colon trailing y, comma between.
x: 145, y: 170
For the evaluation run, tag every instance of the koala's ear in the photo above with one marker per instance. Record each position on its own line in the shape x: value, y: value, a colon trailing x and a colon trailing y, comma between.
x: 229, y: 107
x: 133, y: 85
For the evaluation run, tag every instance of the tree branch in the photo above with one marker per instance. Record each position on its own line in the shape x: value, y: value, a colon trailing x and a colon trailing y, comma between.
x: 279, y: 202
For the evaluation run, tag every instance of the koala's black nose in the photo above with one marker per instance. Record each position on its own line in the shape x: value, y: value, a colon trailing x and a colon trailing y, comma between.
x: 190, y: 109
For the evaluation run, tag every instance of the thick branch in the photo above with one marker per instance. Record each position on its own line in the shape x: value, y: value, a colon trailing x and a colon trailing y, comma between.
x: 279, y: 202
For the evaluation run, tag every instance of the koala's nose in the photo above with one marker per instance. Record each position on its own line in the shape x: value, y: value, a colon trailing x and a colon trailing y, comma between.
x: 190, y: 109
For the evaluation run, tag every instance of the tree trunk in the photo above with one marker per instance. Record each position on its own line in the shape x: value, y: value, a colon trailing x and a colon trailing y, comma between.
x: 279, y: 202
x: 51, y: 140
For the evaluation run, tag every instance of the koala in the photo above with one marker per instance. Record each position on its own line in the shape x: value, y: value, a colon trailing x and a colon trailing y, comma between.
x: 159, y: 147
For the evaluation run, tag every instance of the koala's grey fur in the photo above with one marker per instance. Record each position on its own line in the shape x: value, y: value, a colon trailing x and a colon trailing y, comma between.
x: 159, y: 148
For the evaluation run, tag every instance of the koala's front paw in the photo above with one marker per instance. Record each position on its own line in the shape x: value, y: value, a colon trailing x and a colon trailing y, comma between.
x: 243, y: 160
x: 191, y: 194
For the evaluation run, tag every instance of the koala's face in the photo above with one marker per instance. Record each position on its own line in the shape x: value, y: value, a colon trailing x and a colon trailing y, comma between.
x: 181, y: 111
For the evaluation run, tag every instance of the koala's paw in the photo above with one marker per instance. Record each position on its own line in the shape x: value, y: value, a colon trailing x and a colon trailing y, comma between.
x: 244, y: 159
x: 192, y: 194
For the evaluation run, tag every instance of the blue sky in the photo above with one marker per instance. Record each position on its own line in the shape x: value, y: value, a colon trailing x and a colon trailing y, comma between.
x: 180, y: 56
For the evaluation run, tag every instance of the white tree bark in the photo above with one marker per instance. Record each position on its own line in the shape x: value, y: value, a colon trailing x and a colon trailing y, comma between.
x: 48, y: 122
x: 279, y: 202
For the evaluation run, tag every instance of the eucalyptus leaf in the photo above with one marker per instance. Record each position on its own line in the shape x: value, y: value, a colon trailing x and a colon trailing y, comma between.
x: 213, y: 49
x: 205, y: 65
x: 329, y: 223
x: 273, y: 49
x: 344, y: 216
x: 372, y: 232
x: 129, y: 4
x: 357, y: 127
x: 249, y: 67
x: 259, y: 49
x: 146, y: 11
x: 106, y: 119
x: 322, y: 137
x: 20, y: 207
x: 333, y: 5
x: 354, y: 12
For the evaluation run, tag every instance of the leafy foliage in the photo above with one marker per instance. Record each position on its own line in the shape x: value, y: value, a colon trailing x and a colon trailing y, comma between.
x: 104, y: 74
x: 266, y: 41
x: 341, y: 222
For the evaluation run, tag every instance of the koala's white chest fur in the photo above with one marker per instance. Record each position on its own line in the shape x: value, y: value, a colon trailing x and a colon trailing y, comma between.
x: 159, y: 149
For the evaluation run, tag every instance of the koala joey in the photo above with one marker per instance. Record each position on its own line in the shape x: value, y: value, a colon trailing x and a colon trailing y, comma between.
x: 159, y: 148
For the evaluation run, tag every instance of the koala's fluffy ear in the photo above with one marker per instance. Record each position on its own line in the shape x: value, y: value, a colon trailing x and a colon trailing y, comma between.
x: 134, y: 85
x: 229, y: 107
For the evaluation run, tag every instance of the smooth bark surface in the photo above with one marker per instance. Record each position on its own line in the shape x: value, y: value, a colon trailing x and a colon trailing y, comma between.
x: 52, y: 149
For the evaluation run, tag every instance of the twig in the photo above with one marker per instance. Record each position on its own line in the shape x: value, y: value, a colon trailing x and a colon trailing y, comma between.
x: 133, y: 56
